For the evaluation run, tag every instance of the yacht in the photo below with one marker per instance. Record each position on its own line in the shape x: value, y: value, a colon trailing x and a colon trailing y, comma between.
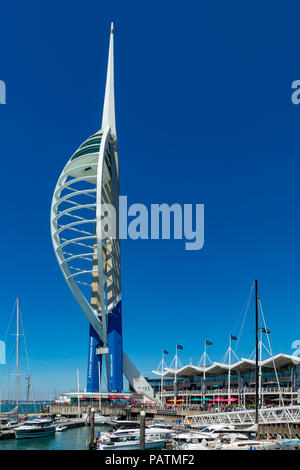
x: 130, y: 442
x: 39, y: 427
x: 61, y: 428
x: 100, y: 419
x: 151, y: 432
x: 160, y: 423
x: 117, y: 423
x: 210, y: 433
x: 8, y: 423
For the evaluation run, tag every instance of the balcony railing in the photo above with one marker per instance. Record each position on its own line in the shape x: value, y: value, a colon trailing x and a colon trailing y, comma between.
x: 233, y: 391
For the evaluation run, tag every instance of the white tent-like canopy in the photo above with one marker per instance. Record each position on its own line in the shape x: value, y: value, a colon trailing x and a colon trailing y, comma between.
x: 218, y: 368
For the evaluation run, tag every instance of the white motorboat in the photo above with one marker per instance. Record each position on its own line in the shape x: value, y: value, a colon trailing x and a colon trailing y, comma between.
x: 243, y: 444
x: 160, y: 423
x: 39, y: 427
x: 61, y: 428
x: 130, y: 442
x: 150, y: 432
x: 190, y: 446
x: 9, y: 424
x: 124, y: 423
x: 210, y: 433
x: 101, y: 419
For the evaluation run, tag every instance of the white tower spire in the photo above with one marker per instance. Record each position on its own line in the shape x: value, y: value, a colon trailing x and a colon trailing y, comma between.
x: 108, y: 117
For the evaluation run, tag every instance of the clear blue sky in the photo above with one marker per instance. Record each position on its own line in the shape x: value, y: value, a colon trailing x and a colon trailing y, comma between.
x: 204, y: 115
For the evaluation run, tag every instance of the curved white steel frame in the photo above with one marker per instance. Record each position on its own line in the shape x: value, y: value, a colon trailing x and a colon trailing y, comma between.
x: 73, y: 244
x: 89, y: 181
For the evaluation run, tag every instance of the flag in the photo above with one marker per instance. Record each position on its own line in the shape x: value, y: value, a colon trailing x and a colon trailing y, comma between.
x: 165, y: 352
x: 178, y: 346
x: 265, y: 330
x: 233, y: 337
x: 208, y: 343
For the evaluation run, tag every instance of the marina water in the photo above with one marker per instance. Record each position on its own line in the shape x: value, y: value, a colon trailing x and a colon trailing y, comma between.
x: 71, y: 439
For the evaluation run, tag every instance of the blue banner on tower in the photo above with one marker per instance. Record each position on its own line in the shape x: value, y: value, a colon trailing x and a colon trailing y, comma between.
x: 115, y: 350
x: 92, y: 383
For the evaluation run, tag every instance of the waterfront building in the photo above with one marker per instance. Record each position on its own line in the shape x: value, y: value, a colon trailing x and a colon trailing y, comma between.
x: 278, y: 382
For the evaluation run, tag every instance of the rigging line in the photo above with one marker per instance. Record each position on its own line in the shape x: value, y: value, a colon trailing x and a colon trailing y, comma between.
x: 224, y: 357
x: 275, y: 370
x: 12, y: 314
x: 242, y: 311
x: 244, y: 318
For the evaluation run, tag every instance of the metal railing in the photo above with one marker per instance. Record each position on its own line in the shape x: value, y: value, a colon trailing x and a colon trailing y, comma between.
x: 224, y: 391
x: 276, y: 415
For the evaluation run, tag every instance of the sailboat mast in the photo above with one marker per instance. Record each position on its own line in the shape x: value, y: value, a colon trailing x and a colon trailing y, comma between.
x: 162, y: 379
x: 27, y: 395
x: 256, y: 353
x: 17, y: 356
x: 78, y: 389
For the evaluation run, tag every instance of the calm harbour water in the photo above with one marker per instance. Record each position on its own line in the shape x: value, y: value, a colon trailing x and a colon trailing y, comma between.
x: 71, y: 439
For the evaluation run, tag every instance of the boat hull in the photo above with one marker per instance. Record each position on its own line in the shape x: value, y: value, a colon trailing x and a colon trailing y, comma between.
x: 155, y: 445
x: 32, y: 433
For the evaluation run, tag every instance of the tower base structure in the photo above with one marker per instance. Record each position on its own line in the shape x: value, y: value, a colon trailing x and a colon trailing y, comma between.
x: 114, y: 350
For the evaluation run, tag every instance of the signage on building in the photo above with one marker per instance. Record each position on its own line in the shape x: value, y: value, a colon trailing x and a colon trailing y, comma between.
x: 294, y: 380
x: 166, y: 412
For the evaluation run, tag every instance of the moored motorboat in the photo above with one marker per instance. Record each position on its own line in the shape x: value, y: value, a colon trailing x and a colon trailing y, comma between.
x: 210, y: 433
x: 34, y: 428
x: 61, y: 428
x: 130, y: 442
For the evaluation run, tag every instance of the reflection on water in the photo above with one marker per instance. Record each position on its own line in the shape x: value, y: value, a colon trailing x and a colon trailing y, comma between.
x: 71, y: 439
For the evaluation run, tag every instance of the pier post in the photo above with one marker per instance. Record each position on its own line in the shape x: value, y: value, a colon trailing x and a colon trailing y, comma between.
x: 92, y: 421
x: 142, y: 430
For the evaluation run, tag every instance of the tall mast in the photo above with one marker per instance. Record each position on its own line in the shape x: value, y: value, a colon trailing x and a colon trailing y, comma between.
x: 108, y: 117
x: 27, y: 395
x: 162, y: 379
x: 175, y: 382
x: 17, y: 356
x: 256, y: 354
x: 78, y: 389
x: 229, y: 361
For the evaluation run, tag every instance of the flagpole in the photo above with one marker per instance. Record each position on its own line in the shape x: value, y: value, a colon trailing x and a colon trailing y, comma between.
x: 204, y: 374
x: 259, y: 370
